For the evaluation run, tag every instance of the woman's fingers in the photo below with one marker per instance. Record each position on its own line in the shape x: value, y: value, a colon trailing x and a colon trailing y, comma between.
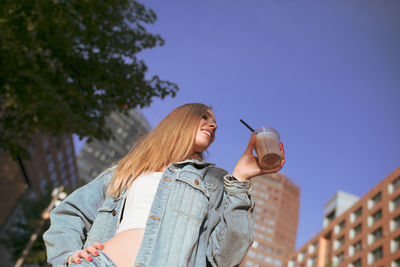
x: 282, y: 151
x: 85, y: 255
x: 76, y: 258
x: 92, y: 250
x: 250, y: 146
x: 98, y: 246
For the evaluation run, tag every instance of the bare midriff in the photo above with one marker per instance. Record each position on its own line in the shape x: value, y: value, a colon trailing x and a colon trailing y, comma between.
x: 123, y: 247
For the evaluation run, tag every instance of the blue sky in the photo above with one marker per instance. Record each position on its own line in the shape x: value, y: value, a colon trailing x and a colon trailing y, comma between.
x: 325, y: 74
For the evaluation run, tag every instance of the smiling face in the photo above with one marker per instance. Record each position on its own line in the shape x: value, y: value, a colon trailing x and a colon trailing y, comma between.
x: 205, y: 134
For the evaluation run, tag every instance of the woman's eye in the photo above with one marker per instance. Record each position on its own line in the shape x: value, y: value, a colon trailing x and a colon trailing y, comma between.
x: 205, y: 117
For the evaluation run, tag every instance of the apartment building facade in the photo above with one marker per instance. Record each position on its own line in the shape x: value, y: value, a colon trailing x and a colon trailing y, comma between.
x: 366, y: 234
x: 276, y: 217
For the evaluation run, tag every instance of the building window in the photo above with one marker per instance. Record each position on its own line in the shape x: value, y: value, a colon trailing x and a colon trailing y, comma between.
x: 311, y: 261
x: 300, y: 256
x: 355, y: 231
x: 338, y: 242
x: 49, y: 156
x: 396, y: 263
x: 339, y: 227
x: 60, y: 156
x: 259, y: 256
x: 43, y: 185
x: 61, y: 165
x: 374, y: 217
x: 375, y: 235
x: 356, y: 247
x: 313, y: 247
x: 395, y: 244
x: 69, y: 150
x: 277, y: 263
x: 375, y: 255
x: 393, y: 186
x: 374, y: 200
x: 356, y: 214
x: 63, y: 175
x: 71, y: 169
x: 328, y: 218
x: 67, y: 140
x: 339, y: 258
x: 394, y: 204
x: 395, y: 223
x: 268, y: 259
x: 356, y: 263
x: 252, y: 253
x: 50, y: 167
x: 53, y: 178
x: 291, y: 263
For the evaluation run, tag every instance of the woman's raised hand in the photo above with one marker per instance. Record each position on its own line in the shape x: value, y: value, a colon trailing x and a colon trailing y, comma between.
x: 84, y: 253
x: 248, y: 165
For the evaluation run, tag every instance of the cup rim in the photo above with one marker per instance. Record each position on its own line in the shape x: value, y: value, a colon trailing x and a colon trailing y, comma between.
x: 268, y: 129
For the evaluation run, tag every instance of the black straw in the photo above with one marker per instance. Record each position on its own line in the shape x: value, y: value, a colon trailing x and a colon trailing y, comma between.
x: 245, y: 124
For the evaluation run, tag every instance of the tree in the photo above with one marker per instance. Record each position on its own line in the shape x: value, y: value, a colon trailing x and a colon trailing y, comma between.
x: 66, y: 64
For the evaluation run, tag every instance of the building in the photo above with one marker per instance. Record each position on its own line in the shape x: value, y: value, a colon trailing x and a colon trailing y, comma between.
x: 277, y: 201
x: 367, y: 233
x: 98, y: 155
x: 52, y: 163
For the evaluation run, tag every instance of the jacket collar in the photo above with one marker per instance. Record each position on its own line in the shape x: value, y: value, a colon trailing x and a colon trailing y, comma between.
x: 193, y: 162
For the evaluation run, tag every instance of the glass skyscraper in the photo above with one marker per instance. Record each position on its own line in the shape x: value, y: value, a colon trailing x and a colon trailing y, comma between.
x: 97, y: 156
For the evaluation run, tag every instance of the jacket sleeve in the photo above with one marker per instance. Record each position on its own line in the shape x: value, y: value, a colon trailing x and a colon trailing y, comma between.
x: 232, y: 224
x: 71, y: 220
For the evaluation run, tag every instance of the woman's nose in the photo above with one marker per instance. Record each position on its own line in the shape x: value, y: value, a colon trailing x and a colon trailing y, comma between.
x: 212, y: 124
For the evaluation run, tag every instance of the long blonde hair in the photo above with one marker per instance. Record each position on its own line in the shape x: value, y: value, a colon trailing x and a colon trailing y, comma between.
x: 170, y: 141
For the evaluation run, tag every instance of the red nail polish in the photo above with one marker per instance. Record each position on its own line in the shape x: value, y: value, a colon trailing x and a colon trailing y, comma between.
x: 79, y: 261
x: 101, y: 247
x: 89, y: 258
x: 96, y: 253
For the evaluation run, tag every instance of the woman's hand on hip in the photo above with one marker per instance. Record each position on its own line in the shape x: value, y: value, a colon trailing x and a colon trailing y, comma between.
x: 85, y: 253
x: 248, y: 166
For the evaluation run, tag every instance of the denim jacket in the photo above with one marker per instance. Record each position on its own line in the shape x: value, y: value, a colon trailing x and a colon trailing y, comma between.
x: 199, y: 216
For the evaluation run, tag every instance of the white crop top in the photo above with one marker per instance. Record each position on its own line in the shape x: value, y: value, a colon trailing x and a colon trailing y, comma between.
x: 139, y: 200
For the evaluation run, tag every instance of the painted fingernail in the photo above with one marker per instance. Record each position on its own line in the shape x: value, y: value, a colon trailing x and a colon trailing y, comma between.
x: 89, y: 258
x: 78, y: 261
x: 96, y: 253
x: 101, y: 246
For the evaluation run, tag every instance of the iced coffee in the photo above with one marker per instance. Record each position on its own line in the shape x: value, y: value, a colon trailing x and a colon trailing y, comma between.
x: 267, y: 148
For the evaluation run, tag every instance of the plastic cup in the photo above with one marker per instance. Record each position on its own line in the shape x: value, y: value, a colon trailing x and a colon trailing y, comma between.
x: 267, y: 148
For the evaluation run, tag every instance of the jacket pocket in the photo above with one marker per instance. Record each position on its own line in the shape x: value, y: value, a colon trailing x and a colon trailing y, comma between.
x: 189, y: 197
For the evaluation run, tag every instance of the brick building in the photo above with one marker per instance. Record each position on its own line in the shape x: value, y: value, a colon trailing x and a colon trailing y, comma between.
x: 276, y: 218
x: 52, y: 163
x: 367, y: 233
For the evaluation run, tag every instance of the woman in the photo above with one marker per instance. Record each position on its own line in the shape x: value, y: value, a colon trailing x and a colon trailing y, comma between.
x: 161, y: 205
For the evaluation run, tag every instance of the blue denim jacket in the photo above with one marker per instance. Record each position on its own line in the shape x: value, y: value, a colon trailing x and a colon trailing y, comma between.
x: 199, y: 214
